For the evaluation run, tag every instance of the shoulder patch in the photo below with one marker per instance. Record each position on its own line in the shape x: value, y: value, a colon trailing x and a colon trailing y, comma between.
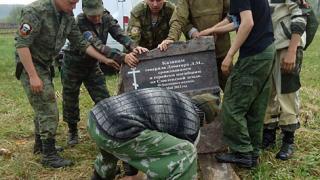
x: 25, y: 29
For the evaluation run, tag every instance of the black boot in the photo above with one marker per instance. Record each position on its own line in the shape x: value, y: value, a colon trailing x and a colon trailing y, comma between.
x: 37, y: 147
x: 73, y: 137
x: 96, y: 176
x: 287, y: 147
x: 269, y: 138
x: 51, y: 157
x: 129, y: 170
x: 241, y: 159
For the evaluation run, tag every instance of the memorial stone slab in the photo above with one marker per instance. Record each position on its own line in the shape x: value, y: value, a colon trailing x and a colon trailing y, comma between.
x: 187, y: 67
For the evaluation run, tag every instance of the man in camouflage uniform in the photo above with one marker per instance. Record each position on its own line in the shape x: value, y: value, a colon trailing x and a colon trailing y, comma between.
x: 151, y: 129
x: 95, y: 23
x: 283, y: 108
x: 149, y: 22
x: 193, y: 16
x: 45, y: 25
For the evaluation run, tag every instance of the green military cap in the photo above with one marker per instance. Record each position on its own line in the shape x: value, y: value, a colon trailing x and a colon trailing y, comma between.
x: 209, y: 104
x: 92, y: 7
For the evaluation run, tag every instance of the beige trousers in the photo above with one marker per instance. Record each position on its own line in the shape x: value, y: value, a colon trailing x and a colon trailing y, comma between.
x: 283, y: 109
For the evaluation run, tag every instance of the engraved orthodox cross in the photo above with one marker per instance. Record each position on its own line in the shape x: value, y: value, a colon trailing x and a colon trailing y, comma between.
x: 134, y: 72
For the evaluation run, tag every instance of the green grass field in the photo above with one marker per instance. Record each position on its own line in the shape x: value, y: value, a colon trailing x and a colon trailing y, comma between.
x: 16, y: 129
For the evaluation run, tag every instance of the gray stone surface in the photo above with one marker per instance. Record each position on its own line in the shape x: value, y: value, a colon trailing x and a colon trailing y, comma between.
x: 187, y: 67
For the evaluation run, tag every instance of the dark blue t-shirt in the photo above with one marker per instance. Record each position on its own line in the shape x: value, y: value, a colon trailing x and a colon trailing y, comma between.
x: 261, y: 35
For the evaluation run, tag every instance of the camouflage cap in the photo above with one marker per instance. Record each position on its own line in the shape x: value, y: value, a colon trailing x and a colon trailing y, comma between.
x: 92, y: 7
x: 209, y: 104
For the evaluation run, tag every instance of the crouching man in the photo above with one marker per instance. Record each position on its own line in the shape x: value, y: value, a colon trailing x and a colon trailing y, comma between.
x: 153, y: 130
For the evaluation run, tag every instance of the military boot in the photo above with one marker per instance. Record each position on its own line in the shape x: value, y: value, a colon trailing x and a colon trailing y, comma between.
x: 96, y: 176
x: 287, y: 147
x: 37, y: 147
x: 269, y: 138
x: 129, y: 170
x: 73, y: 137
x: 240, y: 159
x: 50, y: 156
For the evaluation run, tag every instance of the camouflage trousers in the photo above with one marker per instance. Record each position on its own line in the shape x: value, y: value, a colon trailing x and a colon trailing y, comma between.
x: 245, y: 101
x: 158, y: 155
x: 44, y: 104
x: 283, y: 108
x: 73, y: 74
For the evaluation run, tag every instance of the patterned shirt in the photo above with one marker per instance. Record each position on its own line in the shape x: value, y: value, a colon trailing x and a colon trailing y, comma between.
x: 123, y: 117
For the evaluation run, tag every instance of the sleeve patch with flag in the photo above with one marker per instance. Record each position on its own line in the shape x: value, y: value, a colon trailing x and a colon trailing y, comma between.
x: 25, y: 29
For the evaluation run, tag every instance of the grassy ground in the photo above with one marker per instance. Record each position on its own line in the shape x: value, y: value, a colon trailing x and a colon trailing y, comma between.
x: 16, y: 129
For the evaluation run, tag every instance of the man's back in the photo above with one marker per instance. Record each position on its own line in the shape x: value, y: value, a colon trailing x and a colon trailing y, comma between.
x: 125, y: 116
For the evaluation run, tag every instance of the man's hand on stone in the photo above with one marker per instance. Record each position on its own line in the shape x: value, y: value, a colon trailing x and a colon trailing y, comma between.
x: 131, y: 60
x: 140, y: 50
x: 164, y: 44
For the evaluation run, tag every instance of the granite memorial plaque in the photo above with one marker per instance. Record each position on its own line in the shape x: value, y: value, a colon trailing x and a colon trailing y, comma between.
x: 187, y: 67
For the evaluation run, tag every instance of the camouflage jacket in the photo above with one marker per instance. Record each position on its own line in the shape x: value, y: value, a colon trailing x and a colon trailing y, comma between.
x: 123, y: 117
x: 141, y: 29
x: 200, y: 14
x: 44, y: 31
x: 287, y: 17
x: 108, y: 25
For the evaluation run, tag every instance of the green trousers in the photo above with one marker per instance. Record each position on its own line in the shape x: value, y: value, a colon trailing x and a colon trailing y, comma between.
x: 75, y: 71
x: 245, y: 101
x: 44, y: 104
x: 158, y: 155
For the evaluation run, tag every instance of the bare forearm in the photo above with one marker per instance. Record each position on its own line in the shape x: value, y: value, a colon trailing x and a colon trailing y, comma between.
x: 218, y: 28
x: 94, y: 53
x: 101, y: 58
x: 224, y: 22
x: 224, y: 29
x: 294, y: 42
x: 26, y: 60
x: 244, y: 30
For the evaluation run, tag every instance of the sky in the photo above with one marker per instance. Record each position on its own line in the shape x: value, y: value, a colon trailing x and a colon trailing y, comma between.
x: 16, y: 1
